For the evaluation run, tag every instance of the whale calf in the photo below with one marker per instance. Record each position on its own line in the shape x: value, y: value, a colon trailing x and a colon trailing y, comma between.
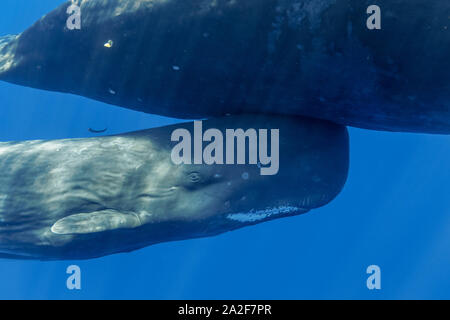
x: 201, y: 58
x: 86, y: 198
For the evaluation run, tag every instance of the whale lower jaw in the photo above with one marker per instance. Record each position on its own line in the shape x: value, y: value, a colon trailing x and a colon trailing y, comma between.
x: 269, y: 213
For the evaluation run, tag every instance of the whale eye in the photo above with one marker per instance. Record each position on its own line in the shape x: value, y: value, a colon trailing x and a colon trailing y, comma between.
x: 194, y: 177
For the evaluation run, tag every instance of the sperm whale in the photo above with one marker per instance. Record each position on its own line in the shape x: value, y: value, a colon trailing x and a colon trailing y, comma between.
x: 199, y: 58
x: 86, y: 198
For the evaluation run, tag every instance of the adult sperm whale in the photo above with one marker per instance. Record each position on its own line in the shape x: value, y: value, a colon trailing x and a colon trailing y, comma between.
x: 86, y: 198
x: 203, y: 58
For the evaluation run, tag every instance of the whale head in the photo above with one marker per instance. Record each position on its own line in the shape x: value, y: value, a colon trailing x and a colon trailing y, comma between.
x: 313, y: 158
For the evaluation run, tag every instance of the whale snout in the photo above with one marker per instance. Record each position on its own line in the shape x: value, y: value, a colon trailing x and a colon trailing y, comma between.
x: 313, y: 168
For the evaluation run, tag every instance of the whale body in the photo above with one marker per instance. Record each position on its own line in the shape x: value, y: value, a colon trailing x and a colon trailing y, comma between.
x: 201, y: 58
x: 86, y: 198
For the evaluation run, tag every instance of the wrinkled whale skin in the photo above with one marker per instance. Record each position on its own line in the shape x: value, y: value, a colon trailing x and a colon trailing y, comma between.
x: 86, y: 198
x: 202, y: 58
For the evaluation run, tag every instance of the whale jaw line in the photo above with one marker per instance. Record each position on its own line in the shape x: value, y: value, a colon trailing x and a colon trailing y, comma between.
x: 254, y: 216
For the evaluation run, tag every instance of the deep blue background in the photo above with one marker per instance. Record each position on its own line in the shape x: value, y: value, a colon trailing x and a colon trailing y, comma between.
x: 393, y: 212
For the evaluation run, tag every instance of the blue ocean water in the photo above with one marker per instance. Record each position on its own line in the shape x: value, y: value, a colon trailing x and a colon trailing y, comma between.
x: 392, y: 213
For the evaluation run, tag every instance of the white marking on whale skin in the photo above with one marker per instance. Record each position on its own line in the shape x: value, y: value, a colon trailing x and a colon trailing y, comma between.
x: 258, y: 215
x: 104, y: 9
x: 50, y: 146
x: 3, y: 198
x: 7, y: 58
x: 30, y: 147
